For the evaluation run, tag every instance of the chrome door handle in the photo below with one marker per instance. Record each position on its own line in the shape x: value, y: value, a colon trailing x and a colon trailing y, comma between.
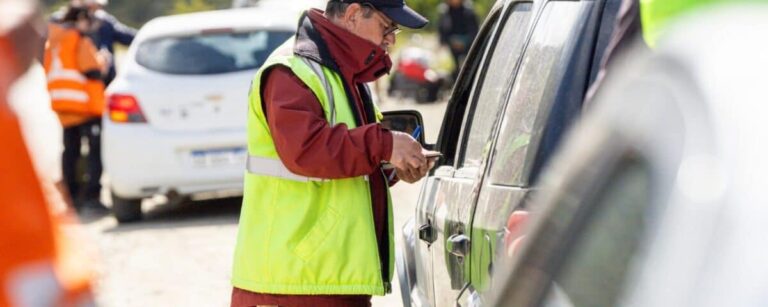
x: 458, y: 245
x: 427, y: 233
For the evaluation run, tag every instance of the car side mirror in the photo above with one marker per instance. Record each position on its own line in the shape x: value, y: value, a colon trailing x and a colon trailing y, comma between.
x: 407, y: 121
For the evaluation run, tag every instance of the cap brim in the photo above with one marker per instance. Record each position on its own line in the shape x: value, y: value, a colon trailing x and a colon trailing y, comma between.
x: 405, y: 16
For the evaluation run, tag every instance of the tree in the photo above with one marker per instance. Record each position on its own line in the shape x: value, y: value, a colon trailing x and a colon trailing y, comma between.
x: 137, y: 12
x: 428, y: 8
x: 189, y: 6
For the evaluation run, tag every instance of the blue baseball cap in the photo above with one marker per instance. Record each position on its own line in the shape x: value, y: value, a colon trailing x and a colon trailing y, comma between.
x: 395, y: 10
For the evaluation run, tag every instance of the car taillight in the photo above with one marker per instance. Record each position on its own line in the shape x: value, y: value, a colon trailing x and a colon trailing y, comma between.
x: 125, y: 109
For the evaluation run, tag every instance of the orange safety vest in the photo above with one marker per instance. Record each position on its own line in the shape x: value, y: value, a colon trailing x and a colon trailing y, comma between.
x: 68, y: 55
x: 39, y: 264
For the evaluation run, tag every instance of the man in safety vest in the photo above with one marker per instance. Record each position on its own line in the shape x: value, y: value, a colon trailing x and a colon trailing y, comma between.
x: 75, y: 68
x: 39, y: 265
x: 316, y: 223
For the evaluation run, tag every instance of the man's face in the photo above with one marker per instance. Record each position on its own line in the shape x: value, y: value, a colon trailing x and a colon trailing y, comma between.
x: 93, y: 6
x: 376, y: 28
x: 83, y: 24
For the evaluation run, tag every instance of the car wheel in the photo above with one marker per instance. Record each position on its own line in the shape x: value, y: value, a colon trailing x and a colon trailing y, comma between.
x: 423, y: 95
x: 126, y: 209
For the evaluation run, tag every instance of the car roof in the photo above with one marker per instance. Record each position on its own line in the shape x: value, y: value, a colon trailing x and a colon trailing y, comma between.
x: 235, y: 19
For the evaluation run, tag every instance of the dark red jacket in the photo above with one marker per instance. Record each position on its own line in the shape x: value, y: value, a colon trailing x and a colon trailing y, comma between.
x: 306, y: 143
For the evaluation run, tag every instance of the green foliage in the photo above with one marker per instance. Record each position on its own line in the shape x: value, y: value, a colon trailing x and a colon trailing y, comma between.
x: 429, y: 8
x: 53, y: 5
x: 137, y: 12
x: 190, y: 6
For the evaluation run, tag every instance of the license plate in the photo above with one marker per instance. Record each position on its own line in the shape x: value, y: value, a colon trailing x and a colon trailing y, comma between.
x: 218, y: 157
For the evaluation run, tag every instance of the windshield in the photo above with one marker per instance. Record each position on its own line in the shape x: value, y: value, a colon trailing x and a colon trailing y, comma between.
x: 209, y: 53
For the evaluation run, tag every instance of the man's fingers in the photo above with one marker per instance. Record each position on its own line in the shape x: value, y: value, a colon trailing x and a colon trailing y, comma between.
x: 405, y: 175
x: 417, y: 160
x: 413, y: 174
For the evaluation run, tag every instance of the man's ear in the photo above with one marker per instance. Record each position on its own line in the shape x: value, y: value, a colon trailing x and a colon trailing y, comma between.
x: 352, y: 15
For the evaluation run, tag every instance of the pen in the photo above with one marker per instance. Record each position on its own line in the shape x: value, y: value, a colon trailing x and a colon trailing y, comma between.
x: 417, y: 132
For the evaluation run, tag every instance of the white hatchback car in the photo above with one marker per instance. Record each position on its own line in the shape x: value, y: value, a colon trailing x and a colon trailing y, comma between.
x: 176, y: 118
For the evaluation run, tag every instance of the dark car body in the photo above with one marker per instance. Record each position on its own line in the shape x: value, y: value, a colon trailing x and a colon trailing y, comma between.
x: 522, y: 85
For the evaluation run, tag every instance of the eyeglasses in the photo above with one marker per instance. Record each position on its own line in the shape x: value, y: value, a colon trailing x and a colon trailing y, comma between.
x: 393, y: 29
x: 388, y: 29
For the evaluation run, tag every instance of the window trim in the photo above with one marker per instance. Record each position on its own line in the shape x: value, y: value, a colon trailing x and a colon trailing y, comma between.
x: 450, y: 131
x: 479, y: 81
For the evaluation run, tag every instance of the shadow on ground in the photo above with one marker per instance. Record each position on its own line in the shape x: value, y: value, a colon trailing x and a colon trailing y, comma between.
x: 185, y: 213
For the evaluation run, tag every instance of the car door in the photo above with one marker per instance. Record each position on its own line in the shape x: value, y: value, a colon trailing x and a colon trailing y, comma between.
x: 546, y: 97
x: 446, y: 201
x: 424, y: 217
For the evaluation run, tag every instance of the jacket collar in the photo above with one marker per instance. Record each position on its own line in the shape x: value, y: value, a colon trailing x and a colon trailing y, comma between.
x: 355, y: 58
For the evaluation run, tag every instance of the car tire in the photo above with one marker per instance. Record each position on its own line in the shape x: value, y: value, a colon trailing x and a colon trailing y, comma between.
x: 126, y: 210
x: 395, y: 84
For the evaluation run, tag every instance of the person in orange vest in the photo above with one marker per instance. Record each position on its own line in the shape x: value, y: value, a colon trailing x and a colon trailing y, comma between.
x: 75, y: 68
x: 39, y: 263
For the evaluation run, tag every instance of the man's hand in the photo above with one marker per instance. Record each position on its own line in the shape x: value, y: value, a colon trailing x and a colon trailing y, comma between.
x: 407, y: 157
x: 413, y: 175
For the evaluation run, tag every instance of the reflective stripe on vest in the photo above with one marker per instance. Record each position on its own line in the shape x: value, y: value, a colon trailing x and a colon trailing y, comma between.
x: 275, y: 167
x: 319, y: 72
x: 69, y: 94
x: 59, y: 73
x: 34, y: 284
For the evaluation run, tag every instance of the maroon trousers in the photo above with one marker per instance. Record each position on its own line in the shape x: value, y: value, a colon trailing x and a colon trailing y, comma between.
x: 243, y: 298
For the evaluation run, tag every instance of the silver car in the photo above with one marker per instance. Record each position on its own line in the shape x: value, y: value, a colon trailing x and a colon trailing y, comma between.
x: 521, y: 86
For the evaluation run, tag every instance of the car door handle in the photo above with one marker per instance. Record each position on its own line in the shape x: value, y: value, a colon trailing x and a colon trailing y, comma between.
x: 458, y: 245
x: 427, y: 233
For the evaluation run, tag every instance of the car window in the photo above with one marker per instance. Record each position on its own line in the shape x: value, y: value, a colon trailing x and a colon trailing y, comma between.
x: 598, y: 259
x: 496, y: 83
x: 541, y: 73
x: 209, y: 53
x: 448, y: 141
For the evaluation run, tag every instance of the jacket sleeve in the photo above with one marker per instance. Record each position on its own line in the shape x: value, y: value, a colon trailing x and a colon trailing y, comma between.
x: 123, y: 34
x: 305, y: 141
x: 120, y: 32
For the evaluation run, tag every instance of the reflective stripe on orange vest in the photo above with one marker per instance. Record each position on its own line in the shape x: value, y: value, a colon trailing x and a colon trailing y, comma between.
x: 71, y: 92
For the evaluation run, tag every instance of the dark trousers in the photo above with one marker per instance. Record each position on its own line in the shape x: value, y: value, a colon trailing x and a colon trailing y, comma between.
x: 82, y: 186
